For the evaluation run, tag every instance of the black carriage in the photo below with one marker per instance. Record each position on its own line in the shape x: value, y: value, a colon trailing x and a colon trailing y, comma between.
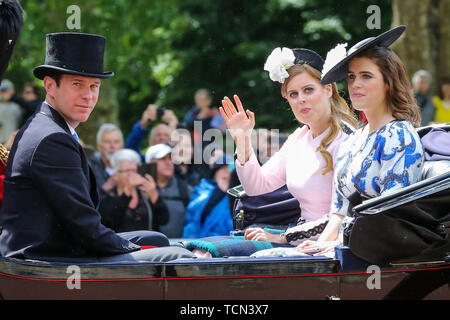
x: 419, y: 274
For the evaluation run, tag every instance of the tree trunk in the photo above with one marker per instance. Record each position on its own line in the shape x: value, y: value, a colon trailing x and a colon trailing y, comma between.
x: 426, y: 43
x: 444, y: 54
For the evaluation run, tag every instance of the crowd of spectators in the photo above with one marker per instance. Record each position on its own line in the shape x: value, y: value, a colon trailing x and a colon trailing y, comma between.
x: 434, y: 109
x: 15, y: 109
x: 153, y: 180
x: 185, y: 196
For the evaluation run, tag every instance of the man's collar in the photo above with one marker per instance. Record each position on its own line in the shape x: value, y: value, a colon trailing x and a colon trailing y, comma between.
x: 72, y: 130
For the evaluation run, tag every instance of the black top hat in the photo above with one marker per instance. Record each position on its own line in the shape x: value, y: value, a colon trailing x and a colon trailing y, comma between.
x: 73, y: 53
x: 340, y: 69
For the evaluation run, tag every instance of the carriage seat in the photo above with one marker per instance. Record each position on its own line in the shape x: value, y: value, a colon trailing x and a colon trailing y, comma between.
x: 435, y: 140
x: 435, y: 168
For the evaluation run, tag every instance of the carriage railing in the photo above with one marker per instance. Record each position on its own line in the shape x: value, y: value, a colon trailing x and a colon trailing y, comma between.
x: 408, y: 194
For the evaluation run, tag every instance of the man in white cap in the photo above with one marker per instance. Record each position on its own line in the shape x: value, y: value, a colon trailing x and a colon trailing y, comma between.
x: 175, y: 192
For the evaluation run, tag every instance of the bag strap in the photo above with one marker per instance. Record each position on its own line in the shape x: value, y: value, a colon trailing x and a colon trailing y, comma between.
x: 183, y: 189
x: 149, y: 209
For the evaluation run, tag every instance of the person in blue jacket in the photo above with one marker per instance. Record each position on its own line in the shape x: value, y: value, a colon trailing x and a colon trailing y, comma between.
x: 208, y: 212
x: 160, y: 133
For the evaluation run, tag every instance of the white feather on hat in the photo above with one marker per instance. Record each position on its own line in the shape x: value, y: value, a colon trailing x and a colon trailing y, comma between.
x: 334, y: 56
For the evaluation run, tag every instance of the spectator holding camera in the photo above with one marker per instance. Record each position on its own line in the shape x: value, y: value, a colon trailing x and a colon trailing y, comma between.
x: 109, y: 140
x: 174, y: 191
x: 159, y: 134
x: 183, y: 158
x: 133, y: 203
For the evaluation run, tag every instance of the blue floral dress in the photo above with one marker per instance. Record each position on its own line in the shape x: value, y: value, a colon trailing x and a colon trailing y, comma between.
x: 375, y: 163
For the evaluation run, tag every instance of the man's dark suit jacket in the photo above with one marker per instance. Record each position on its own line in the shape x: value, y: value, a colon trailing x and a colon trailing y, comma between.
x: 50, y: 196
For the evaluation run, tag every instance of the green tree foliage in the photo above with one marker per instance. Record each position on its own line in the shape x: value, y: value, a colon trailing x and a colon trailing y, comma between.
x: 227, y: 42
x: 164, y: 50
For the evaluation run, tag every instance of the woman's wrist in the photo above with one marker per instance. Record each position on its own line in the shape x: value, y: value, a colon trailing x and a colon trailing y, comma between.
x: 276, y: 237
x: 243, y: 149
x: 243, y: 158
x: 331, y: 230
x: 282, y: 238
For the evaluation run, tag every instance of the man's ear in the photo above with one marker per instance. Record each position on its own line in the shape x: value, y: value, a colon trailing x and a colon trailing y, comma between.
x: 49, y: 85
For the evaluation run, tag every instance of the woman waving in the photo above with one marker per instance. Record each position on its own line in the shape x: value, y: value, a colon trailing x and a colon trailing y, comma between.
x: 306, y: 160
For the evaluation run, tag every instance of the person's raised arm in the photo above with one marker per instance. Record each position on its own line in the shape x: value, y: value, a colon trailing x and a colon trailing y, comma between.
x: 149, y: 116
x: 240, y: 124
x: 140, y: 129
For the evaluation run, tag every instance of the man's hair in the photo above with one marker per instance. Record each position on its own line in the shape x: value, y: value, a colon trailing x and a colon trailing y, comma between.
x: 125, y: 155
x: 152, y: 132
x: 107, y: 127
x: 55, y: 76
x: 419, y: 74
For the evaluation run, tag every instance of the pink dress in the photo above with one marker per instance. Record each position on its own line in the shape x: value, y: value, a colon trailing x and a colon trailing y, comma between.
x: 298, y: 165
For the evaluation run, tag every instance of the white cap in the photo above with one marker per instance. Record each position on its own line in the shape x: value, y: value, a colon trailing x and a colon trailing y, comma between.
x: 157, y: 151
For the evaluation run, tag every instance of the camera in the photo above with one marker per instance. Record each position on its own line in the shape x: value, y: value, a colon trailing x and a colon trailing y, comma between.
x: 148, y: 168
x: 160, y: 112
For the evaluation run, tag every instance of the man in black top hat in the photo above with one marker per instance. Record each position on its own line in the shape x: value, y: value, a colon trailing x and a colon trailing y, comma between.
x: 50, y: 194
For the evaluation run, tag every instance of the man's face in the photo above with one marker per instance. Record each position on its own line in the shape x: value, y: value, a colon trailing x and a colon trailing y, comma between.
x: 6, y: 94
x: 126, y: 170
x: 160, y: 135
x: 110, y: 143
x: 74, y: 98
x: 422, y: 85
x: 164, y: 167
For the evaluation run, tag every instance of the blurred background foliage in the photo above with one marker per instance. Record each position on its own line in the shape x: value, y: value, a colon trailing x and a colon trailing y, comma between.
x: 162, y: 51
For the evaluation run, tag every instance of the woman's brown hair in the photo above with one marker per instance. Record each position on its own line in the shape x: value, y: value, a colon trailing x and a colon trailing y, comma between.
x: 399, y: 95
x: 340, y: 111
